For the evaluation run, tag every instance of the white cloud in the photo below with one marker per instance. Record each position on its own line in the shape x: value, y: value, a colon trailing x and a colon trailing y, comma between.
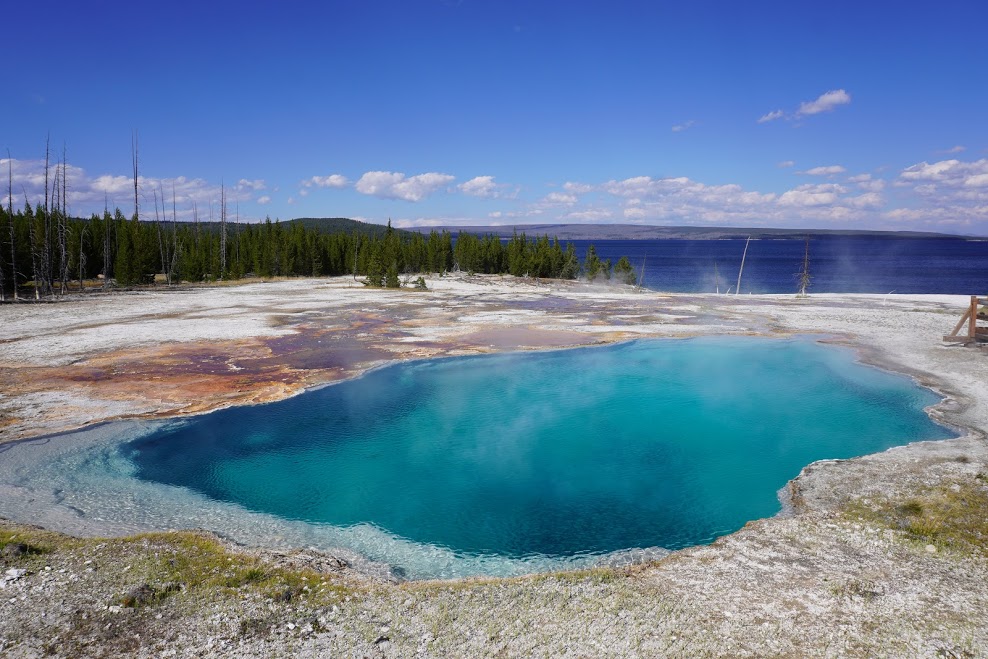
x: 866, y: 200
x: 264, y: 200
x: 330, y: 181
x: 826, y: 102
x: 866, y: 182
x: 113, y: 185
x: 945, y: 170
x: 955, y: 149
x: 787, y: 163
x: 686, y: 125
x: 949, y: 190
x: 254, y: 186
x: 479, y: 186
x: 87, y: 194
x: 829, y: 170
x: 577, y: 188
x: 811, y: 195
x: 394, y: 185
x: 771, y: 116
x: 557, y: 198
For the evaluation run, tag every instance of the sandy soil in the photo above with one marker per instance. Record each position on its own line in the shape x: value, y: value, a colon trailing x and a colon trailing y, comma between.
x: 867, y: 563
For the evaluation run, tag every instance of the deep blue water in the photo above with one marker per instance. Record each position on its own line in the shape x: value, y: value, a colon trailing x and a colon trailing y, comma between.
x: 587, y: 451
x: 837, y: 264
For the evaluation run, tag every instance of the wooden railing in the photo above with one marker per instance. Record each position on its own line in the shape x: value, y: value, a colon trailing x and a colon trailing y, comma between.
x: 971, y: 318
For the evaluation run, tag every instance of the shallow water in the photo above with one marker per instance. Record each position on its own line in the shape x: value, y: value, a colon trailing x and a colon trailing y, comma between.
x: 502, y: 464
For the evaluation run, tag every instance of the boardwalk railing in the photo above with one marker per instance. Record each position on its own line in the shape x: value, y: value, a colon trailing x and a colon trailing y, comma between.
x: 971, y: 317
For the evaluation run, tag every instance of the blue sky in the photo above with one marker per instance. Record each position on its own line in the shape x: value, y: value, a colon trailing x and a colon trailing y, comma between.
x: 793, y: 114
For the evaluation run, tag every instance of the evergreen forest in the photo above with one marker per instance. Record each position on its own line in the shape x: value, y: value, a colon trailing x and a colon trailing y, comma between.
x: 45, y: 253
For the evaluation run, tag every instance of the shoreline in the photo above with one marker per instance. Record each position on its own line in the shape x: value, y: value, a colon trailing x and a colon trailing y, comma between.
x: 843, y: 557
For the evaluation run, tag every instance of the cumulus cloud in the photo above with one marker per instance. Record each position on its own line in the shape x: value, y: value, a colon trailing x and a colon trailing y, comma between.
x: 866, y: 182
x: 826, y: 102
x: 771, y: 116
x: 955, y: 149
x: 330, y: 181
x: 480, y: 186
x: 949, y: 190
x: 948, y: 177
x: 787, y: 163
x: 265, y: 199
x: 686, y: 125
x: 812, y: 195
x: 88, y: 194
x: 828, y: 170
x: 395, y: 185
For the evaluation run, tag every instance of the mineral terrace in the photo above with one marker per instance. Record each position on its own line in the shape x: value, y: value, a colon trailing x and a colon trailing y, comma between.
x: 881, y: 555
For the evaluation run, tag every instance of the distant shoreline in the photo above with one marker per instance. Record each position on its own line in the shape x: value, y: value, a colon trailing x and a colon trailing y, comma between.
x: 651, y: 232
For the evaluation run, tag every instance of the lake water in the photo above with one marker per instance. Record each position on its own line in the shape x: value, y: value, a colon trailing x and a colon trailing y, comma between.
x: 838, y: 264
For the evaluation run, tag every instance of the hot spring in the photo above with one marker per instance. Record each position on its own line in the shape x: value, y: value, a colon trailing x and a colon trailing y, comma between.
x: 499, y: 464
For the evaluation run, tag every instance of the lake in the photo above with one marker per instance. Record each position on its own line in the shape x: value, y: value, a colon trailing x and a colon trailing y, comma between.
x: 838, y: 264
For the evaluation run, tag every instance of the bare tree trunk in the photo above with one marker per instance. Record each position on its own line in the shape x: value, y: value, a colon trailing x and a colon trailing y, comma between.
x: 45, y: 248
x: 82, y: 256
x: 33, y: 238
x: 161, y: 242
x: 741, y: 270
x: 240, y: 268
x: 134, y: 152
x: 804, y: 276
x: 222, y: 230
x: 63, y: 229
x: 106, y: 243
x: 174, y: 261
x: 198, y: 242
x: 10, y: 211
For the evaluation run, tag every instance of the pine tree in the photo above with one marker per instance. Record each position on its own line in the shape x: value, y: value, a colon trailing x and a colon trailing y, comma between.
x: 392, y: 281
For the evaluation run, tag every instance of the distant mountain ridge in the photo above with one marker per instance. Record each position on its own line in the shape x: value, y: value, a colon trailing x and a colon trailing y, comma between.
x: 649, y: 232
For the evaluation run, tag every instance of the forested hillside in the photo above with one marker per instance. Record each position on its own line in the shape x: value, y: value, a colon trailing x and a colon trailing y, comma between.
x: 48, y: 253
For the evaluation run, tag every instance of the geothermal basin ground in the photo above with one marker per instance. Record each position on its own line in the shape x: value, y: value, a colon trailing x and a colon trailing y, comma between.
x: 880, y: 555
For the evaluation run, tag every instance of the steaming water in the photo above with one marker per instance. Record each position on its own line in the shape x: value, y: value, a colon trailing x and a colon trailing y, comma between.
x: 489, y: 465
x: 838, y: 264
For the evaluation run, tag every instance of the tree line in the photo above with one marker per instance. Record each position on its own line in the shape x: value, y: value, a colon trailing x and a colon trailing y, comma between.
x: 45, y: 253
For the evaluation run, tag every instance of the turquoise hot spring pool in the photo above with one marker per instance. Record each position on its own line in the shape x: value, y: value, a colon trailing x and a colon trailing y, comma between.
x: 511, y: 463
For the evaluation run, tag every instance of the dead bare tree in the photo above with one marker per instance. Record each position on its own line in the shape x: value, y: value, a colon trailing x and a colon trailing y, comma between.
x: 222, y: 230
x: 741, y: 270
x: 174, y: 259
x: 33, y: 240
x: 804, y: 274
x: 240, y: 268
x: 63, y: 230
x: 106, y: 242
x: 82, y: 255
x: 161, y: 242
x: 134, y: 153
x: 45, y: 239
x: 10, y: 212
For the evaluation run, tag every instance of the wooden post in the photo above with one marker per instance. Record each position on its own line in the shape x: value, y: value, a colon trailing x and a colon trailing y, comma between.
x: 972, y: 322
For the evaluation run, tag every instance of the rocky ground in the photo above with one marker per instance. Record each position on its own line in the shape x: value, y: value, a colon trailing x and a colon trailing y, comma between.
x: 885, y: 555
